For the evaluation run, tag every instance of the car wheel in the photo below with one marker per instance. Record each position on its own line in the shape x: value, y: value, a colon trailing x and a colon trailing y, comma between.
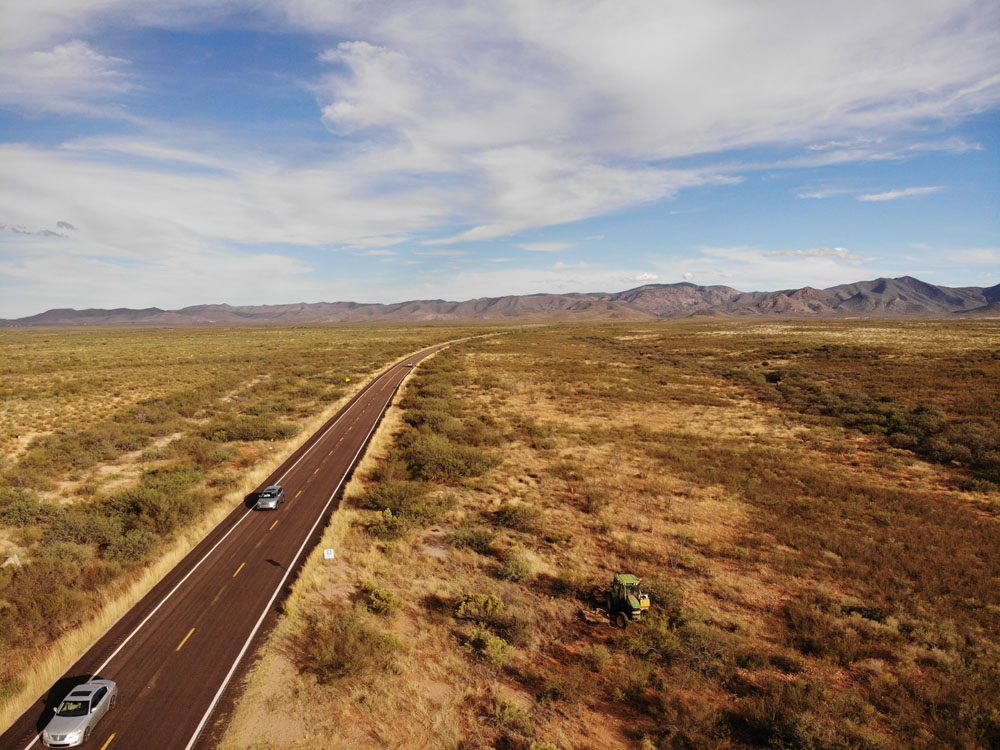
x: 86, y: 734
x: 114, y: 702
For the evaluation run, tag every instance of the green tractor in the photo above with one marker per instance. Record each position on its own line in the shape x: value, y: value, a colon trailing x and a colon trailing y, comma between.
x: 626, y: 602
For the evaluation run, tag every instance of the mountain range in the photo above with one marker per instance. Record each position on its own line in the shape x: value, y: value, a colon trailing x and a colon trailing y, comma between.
x: 905, y: 296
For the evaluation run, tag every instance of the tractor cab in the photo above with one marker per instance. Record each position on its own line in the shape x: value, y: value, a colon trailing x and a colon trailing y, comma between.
x: 627, y: 602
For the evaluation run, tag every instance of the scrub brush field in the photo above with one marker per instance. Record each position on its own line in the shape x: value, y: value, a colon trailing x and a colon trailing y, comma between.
x: 812, y: 507
x: 122, y: 447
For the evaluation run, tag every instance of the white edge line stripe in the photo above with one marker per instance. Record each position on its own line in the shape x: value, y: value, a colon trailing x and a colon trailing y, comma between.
x: 291, y: 567
x: 221, y: 540
x: 157, y: 607
x: 319, y: 439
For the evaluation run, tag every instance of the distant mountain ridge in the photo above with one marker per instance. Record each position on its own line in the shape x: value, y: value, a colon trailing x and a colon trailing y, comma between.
x: 905, y: 296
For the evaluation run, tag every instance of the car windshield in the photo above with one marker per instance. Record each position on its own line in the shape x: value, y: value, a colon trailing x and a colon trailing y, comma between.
x: 73, y: 708
x: 266, y: 495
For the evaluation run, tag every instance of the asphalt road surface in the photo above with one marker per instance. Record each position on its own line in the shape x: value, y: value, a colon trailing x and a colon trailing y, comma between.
x: 174, y: 654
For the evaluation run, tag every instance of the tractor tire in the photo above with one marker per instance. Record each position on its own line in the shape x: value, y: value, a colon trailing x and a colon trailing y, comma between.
x: 621, y: 620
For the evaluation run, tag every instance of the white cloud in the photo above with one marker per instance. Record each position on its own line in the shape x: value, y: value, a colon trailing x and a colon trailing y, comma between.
x: 813, y: 252
x: 760, y: 269
x: 985, y: 256
x: 823, y: 192
x: 545, y: 247
x: 443, y: 253
x: 643, y: 278
x: 892, y: 195
x: 71, y: 77
x: 466, y: 121
x: 47, y: 277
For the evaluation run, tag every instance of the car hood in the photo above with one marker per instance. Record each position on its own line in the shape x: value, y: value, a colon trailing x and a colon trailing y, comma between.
x: 269, y: 503
x: 67, y: 724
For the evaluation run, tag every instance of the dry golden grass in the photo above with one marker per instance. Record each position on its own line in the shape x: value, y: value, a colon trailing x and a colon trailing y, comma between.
x: 786, y: 611
x: 29, y: 666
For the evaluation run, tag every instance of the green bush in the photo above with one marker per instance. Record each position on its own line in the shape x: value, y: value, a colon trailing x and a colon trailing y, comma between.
x: 83, y: 526
x: 519, y: 517
x: 434, y: 458
x: 20, y: 507
x: 388, y: 526
x: 509, y: 716
x: 482, y: 608
x: 655, y: 639
x: 380, y: 601
x: 514, y: 567
x: 595, y: 657
x: 477, y: 538
x: 133, y: 546
x: 491, y: 647
x: 248, y: 428
x: 334, y: 644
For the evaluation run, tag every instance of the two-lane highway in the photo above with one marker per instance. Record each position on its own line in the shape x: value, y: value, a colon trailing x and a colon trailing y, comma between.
x: 175, y: 653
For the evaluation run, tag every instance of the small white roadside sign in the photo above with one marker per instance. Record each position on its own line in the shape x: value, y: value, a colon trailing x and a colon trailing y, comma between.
x: 328, y: 554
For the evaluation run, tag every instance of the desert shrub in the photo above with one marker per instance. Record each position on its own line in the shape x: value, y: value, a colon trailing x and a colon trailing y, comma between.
x: 84, y: 526
x: 816, y: 632
x: 483, y: 430
x: 246, y: 428
x: 434, y: 458
x: 396, y: 495
x: 509, y: 716
x: 570, y: 582
x: 491, y: 647
x: 519, y: 517
x: 514, y: 567
x: 573, y: 684
x: 484, y: 609
x: 379, y: 600
x: 132, y: 546
x: 404, y: 505
x: 388, y: 526
x: 595, y: 657
x: 20, y: 507
x: 665, y: 597
x: 477, y: 538
x: 802, y: 714
x: 655, y: 639
x: 201, y: 452
x: 334, y: 644
x: 787, y: 663
x: 595, y: 499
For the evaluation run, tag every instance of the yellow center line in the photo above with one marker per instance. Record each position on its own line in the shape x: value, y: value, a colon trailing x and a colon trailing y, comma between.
x: 181, y: 644
x: 274, y: 524
x: 239, y: 569
x: 317, y: 470
x: 107, y: 742
x: 298, y: 493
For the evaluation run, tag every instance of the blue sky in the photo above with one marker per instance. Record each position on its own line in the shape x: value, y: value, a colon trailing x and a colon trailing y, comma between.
x: 303, y: 150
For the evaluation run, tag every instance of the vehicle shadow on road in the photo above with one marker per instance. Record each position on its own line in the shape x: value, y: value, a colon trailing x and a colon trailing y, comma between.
x: 251, y: 500
x: 63, y: 687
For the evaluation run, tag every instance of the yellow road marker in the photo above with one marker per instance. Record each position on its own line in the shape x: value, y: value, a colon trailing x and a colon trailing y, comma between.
x: 107, y: 742
x: 239, y: 569
x: 181, y: 644
x: 274, y: 524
